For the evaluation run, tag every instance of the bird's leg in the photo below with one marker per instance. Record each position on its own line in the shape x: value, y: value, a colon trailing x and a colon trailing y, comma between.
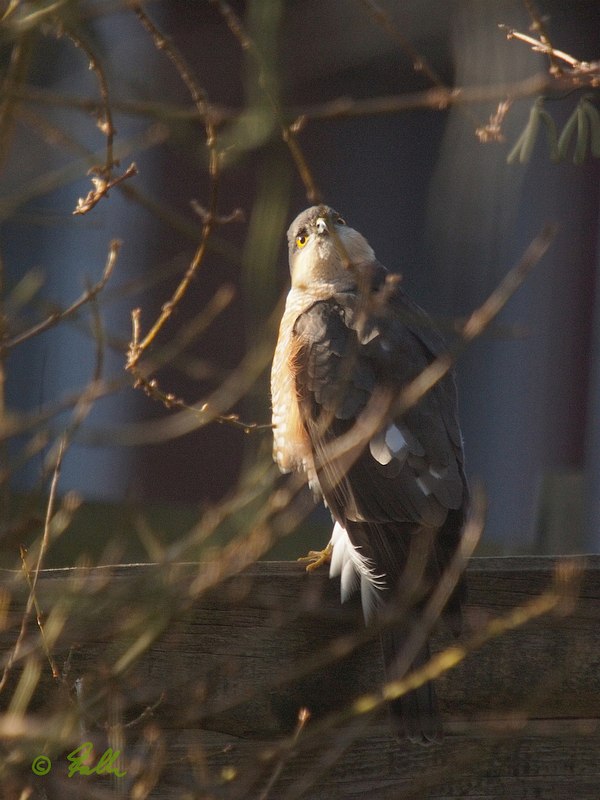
x: 316, y: 558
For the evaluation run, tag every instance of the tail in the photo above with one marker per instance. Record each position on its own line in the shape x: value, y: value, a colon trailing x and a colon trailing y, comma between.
x: 413, y: 561
x: 414, y: 715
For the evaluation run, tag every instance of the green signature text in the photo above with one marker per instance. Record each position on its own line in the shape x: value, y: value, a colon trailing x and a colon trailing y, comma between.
x: 81, y: 757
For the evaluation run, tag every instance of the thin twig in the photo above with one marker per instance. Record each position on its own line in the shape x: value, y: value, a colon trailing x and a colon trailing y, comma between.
x: 303, y: 717
x: 558, y: 598
x: 39, y: 615
x: 277, y: 517
x: 537, y: 24
x: 539, y: 46
x: 102, y: 177
x: 288, y: 132
x: 479, y: 320
x: 200, y: 98
x: 218, y: 303
x: 160, y: 111
x: 31, y: 599
x: 438, y: 601
x: 59, y: 316
x: 344, y: 645
x: 215, y: 408
x: 418, y: 61
x: 198, y: 94
x: 492, y: 130
x: 32, y: 18
x: 82, y: 408
x: 102, y: 186
x: 340, y: 107
x: 104, y: 120
x: 343, y: 451
x: 151, y: 387
x: 26, y: 422
x: 14, y: 78
x: 147, y: 712
x: 4, y: 485
x: 62, y: 175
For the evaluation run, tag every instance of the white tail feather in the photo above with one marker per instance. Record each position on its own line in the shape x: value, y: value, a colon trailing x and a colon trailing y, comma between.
x: 350, y: 565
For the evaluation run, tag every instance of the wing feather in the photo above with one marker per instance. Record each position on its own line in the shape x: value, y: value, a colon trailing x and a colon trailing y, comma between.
x: 412, y: 470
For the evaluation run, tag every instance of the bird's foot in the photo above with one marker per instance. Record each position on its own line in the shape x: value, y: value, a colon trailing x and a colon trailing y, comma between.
x: 316, y: 558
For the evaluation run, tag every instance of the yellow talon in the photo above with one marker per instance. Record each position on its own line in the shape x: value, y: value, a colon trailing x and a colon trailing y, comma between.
x: 316, y: 558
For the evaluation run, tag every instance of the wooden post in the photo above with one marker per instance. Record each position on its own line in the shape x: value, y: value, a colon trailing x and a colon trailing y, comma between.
x: 202, y: 690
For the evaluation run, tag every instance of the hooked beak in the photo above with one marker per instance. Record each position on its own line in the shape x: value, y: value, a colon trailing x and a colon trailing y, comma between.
x: 322, y: 225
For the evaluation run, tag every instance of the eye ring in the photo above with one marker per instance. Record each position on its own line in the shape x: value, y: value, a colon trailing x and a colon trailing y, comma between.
x: 301, y: 240
x: 341, y: 221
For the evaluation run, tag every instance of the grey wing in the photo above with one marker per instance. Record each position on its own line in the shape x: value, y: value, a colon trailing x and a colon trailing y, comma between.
x: 411, y: 471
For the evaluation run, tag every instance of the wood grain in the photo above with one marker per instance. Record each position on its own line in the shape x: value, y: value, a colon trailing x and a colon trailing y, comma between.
x: 228, y: 669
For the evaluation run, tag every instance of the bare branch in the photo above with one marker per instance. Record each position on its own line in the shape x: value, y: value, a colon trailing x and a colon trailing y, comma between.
x: 303, y: 718
x: 479, y: 320
x: 237, y: 215
x: 105, y: 120
x: 14, y: 77
x: 102, y: 174
x: 288, y: 132
x: 492, y: 130
x: 418, y: 61
x: 343, y: 451
x: 581, y: 71
x: 437, y: 98
x: 214, y: 408
x: 558, y: 598
x: 59, y: 316
x: 48, y: 181
x: 32, y: 581
x: 200, y: 98
x: 470, y: 537
x: 537, y: 24
x: 101, y: 187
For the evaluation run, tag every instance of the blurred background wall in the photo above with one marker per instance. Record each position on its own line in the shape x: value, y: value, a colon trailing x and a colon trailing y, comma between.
x: 435, y: 203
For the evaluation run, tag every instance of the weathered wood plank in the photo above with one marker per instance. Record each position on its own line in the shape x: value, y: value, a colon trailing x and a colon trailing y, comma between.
x: 231, y: 669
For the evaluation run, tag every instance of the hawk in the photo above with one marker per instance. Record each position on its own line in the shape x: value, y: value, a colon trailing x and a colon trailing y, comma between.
x: 350, y: 339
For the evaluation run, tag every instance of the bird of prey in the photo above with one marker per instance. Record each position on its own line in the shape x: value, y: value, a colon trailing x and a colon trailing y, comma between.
x: 350, y: 339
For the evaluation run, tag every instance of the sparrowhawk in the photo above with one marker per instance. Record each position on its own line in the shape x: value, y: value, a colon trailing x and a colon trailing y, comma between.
x: 350, y: 339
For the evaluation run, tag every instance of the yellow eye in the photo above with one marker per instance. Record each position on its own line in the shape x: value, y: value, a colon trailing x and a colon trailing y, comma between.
x: 301, y: 240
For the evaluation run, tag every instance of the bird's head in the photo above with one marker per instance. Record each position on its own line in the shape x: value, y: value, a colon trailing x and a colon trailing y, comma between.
x: 324, y: 249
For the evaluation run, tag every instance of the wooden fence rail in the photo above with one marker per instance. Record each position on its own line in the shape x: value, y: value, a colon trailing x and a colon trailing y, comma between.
x: 200, y: 691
